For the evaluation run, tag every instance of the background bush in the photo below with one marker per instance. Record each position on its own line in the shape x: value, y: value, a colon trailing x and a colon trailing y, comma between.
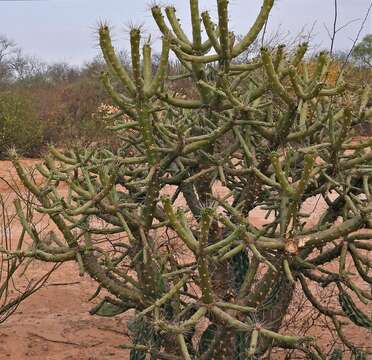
x: 19, y: 125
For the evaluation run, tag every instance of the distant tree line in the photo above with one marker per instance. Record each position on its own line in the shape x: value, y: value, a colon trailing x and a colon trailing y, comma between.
x: 43, y: 103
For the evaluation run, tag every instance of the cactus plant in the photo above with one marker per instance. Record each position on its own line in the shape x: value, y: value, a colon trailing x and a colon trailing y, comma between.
x: 290, y: 136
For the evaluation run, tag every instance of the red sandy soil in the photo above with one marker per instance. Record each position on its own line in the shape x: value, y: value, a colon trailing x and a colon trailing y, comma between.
x: 54, y: 323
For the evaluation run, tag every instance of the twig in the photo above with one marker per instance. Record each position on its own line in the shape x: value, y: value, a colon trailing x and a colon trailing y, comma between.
x: 336, y: 29
x: 64, y: 284
x: 334, y: 26
x: 356, y: 38
x: 64, y: 342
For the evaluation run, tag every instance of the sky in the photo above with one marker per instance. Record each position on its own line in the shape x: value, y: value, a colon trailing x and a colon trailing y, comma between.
x: 65, y: 30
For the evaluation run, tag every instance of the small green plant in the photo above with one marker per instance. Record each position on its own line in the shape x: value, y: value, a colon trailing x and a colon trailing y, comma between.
x: 174, y: 202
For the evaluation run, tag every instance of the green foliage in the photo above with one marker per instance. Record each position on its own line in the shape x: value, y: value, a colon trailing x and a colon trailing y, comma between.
x: 19, y: 125
x: 362, y: 52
